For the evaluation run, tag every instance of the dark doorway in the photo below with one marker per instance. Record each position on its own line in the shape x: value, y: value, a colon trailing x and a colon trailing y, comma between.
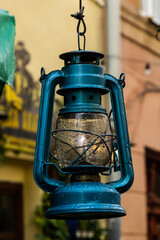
x: 11, y: 219
x: 153, y: 193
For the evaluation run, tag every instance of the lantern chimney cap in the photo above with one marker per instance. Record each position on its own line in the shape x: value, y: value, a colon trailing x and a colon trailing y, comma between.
x: 81, y: 57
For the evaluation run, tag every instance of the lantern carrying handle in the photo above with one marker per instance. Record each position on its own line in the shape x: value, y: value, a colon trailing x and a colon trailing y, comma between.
x: 121, y: 128
x: 49, y: 83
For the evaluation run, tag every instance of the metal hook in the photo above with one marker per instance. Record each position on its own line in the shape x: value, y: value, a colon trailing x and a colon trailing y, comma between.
x: 42, y: 71
x: 43, y: 74
x: 122, y: 79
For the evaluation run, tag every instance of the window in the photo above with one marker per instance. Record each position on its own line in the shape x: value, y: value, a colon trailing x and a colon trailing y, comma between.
x: 151, y: 9
x: 11, y: 211
x: 153, y: 193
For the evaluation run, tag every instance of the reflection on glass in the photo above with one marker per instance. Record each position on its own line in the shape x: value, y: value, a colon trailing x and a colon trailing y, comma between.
x: 83, y: 139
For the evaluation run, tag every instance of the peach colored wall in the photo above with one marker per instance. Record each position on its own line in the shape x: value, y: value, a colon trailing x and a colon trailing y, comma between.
x: 142, y: 95
x: 133, y: 3
x: 142, y: 98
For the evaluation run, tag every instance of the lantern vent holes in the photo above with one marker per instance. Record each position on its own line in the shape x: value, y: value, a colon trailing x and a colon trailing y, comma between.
x: 73, y: 98
x: 91, y: 97
x: 81, y: 57
x: 89, y: 59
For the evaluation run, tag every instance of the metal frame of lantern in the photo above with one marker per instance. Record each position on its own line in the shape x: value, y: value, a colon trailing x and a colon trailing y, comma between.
x: 82, y: 75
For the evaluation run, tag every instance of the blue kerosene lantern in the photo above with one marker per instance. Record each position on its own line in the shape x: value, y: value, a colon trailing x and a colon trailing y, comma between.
x: 85, y: 147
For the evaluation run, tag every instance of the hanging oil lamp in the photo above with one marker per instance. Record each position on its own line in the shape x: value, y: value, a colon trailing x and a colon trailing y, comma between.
x: 85, y: 146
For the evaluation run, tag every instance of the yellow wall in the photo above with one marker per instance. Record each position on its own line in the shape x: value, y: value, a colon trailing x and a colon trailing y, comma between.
x: 47, y: 30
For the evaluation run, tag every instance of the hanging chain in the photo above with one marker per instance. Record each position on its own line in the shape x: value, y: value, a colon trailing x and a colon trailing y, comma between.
x: 80, y: 17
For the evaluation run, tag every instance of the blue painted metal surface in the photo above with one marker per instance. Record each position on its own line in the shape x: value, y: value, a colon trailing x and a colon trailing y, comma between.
x: 82, y: 82
x: 85, y: 201
x: 120, y: 122
x: 49, y: 84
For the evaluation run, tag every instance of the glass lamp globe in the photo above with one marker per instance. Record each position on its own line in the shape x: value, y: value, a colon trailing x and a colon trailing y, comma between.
x: 83, y: 139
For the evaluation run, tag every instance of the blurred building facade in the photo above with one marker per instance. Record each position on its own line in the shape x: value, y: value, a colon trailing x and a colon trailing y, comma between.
x: 140, y: 60
x: 44, y: 30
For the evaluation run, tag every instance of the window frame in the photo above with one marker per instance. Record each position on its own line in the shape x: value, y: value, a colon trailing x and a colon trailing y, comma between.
x: 149, y: 10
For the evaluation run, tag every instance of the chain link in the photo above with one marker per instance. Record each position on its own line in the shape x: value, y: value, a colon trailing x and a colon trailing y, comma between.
x: 80, y: 17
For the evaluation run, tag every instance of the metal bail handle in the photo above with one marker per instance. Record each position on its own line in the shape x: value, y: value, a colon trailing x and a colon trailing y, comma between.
x: 49, y: 83
x: 116, y: 90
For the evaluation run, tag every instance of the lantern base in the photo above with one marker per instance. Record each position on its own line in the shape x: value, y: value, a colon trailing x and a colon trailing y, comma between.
x: 85, y: 201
